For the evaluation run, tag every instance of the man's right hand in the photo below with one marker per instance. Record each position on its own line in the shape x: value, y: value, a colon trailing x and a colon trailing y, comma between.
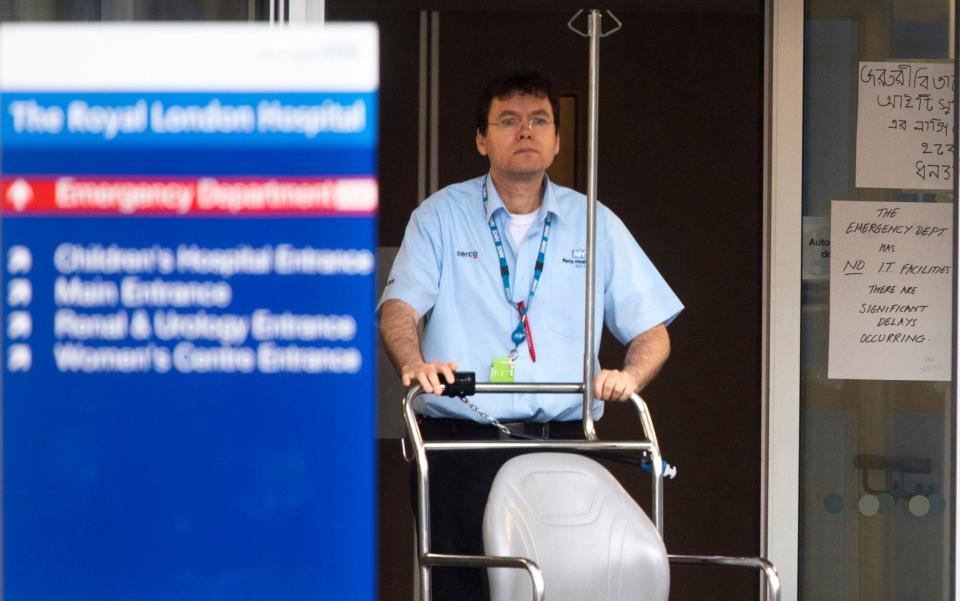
x: 398, y: 327
x: 428, y: 374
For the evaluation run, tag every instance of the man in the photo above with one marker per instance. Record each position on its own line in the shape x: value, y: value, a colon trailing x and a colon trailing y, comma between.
x: 498, y: 261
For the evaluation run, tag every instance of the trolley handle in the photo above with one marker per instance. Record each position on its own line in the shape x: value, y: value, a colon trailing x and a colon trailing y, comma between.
x: 464, y: 384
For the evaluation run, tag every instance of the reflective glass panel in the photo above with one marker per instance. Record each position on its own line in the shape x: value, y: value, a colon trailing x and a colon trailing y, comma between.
x: 875, y: 425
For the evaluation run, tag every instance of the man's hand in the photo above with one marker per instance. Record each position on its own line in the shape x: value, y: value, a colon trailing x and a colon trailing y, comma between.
x: 645, y: 355
x: 615, y: 385
x: 428, y: 374
x: 398, y: 326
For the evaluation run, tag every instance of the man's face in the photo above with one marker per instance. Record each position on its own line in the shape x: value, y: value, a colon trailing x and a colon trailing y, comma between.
x: 520, y: 152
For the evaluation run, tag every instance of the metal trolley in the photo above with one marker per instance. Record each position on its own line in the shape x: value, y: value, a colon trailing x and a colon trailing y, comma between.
x: 417, y: 451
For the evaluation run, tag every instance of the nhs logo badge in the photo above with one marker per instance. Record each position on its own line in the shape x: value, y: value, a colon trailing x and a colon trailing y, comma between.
x: 578, y: 257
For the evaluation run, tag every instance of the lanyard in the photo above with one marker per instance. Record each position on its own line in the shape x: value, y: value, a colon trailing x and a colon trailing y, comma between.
x: 522, y: 331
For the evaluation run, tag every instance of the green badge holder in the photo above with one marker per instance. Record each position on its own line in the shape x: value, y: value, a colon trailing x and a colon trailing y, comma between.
x: 501, y: 370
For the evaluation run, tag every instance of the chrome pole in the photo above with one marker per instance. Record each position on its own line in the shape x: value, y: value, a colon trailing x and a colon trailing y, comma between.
x: 766, y: 568
x: 491, y: 561
x: 656, y: 461
x: 646, y: 422
x: 423, y: 490
x: 589, y: 358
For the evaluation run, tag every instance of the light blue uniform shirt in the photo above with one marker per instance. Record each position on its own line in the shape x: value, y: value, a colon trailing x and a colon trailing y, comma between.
x: 448, y: 263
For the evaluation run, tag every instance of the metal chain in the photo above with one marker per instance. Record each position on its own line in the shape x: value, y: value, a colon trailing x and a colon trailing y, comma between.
x: 493, y: 421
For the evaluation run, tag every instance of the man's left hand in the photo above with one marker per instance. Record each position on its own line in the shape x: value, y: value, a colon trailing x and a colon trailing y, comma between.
x: 614, y: 385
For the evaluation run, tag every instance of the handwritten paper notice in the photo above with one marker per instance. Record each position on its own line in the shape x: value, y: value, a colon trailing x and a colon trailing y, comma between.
x: 905, y: 125
x: 891, y: 276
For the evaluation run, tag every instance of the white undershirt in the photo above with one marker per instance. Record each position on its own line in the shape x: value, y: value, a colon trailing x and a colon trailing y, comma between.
x: 518, y: 226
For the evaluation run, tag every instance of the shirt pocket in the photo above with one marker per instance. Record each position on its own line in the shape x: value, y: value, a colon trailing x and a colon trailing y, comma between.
x: 564, y: 319
x: 565, y: 316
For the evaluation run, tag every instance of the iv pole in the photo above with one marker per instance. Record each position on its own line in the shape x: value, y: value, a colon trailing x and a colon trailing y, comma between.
x: 594, y: 33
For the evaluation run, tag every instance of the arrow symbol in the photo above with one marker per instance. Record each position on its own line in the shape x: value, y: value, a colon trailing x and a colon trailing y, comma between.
x: 19, y: 194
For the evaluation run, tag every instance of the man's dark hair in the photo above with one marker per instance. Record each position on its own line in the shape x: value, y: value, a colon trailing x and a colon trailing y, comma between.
x: 523, y: 81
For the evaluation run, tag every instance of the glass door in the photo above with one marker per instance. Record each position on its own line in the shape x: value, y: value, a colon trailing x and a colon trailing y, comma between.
x: 875, y: 387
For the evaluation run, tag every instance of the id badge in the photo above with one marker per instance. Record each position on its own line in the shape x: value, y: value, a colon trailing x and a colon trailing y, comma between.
x: 501, y: 370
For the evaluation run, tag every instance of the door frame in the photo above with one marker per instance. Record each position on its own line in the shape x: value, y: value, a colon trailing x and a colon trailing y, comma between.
x: 783, y: 172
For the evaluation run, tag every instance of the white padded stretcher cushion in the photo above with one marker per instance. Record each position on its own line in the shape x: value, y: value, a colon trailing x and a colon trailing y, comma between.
x: 571, y: 516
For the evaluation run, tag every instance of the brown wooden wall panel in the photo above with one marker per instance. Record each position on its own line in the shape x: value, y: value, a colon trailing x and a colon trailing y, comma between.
x: 681, y: 164
x: 725, y: 7
x: 399, y: 97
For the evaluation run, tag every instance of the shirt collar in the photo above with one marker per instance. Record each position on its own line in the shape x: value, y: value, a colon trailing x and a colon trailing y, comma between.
x: 549, y: 204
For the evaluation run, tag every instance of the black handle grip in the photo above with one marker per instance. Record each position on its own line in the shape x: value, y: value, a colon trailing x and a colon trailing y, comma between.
x: 464, y: 384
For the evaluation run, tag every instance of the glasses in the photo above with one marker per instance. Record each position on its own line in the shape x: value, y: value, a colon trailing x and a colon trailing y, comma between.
x: 514, y: 124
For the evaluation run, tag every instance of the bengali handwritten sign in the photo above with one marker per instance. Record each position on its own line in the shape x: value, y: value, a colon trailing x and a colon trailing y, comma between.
x: 905, y: 125
x: 891, y: 275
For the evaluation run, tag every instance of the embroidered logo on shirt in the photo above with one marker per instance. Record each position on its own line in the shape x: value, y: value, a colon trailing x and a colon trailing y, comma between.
x: 578, y: 256
x: 468, y: 254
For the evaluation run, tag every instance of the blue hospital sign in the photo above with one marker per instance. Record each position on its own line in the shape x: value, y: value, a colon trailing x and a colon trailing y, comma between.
x: 188, y: 241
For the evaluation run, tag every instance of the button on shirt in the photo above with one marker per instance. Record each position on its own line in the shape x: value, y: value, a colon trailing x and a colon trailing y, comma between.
x: 448, y: 265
